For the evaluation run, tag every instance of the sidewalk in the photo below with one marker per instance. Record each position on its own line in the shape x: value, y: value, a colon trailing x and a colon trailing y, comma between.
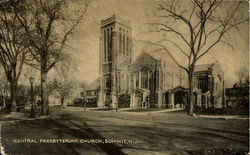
x: 82, y: 108
x: 224, y: 116
x: 149, y: 112
x: 18, y: 117
x: 126, y: 111
x: 122, y: 110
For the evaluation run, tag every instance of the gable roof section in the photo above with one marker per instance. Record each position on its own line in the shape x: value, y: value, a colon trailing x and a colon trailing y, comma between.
x: 202, y: 67
x: 143, y: 61
x: 205, y: 67
x: 179, y: 88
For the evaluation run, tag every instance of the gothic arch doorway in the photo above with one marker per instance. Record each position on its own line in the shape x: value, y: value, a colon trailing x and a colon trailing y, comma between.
x: 138, y: 98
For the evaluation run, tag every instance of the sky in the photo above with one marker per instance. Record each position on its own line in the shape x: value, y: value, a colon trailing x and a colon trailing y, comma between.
x: 85, y: 43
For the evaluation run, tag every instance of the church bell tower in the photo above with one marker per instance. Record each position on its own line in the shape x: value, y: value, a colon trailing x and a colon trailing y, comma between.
x: 115, y: 59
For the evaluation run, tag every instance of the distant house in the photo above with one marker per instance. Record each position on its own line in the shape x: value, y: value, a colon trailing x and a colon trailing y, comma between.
x: 237, y: 97
x: 209, y: 85
x: 90, y: 94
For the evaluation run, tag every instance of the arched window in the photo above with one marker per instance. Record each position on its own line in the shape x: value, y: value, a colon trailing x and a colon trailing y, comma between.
x: 144, y: 79
x: 127, y: 46
x: 110, y: 45
x: 120, y: 43
x: 137, y: 79
x: 105, y: 45
x: 123, y: 44
x: 157, y: 79
x: 108, y: 82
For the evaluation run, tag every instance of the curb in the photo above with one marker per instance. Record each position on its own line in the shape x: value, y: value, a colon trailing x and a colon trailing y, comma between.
x: 159, y: 112
x: 129, y: 112
x: 223, y: 118
x: 25, y: 120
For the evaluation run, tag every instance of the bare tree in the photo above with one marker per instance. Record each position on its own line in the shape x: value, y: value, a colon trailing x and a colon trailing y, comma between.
x: 13, y: 48
x: 64, y: 80
x: 116, y: 85
x: 52, y: 23
x: 194, y: 28
x: 4, y: 89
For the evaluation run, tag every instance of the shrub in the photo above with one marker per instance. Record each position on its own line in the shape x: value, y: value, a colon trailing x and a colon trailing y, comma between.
x: 153, y: 100
x: 124, y: 101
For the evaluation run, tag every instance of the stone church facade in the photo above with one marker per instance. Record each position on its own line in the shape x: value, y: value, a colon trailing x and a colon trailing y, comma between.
x: 115, y: 59
x: 156, y: 83
x: 209, y: 86
x: 150, y: 81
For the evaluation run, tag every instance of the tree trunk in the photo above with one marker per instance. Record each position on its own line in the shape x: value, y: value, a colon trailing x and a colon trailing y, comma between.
x: 44, y: 90
x: 13, y: 87
x: 44, y: 93
x: 62, y: 102
x: 4, y: 102
x: 191, y: 99
x: 191, y: 95
x: 2, y: 93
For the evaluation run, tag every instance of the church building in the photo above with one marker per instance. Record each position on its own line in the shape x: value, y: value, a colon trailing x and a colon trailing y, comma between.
x: 209, y: 87
x: 157, y: 82
x: 152, y: 80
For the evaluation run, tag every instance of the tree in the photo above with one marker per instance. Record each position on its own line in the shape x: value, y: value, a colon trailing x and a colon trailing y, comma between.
x: 193, y: 29
x: 64, y: 80
x: 116, y: 85
x: 23, y: 95
x: 14, y: 50
x: 48, y: 25
x: 4, y: 89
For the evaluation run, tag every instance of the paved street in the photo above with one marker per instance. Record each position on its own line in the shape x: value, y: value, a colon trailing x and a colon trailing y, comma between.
x: 125, y: 133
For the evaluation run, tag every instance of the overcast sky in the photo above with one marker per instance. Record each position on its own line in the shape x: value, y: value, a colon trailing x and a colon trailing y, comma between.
x: 86, y: 41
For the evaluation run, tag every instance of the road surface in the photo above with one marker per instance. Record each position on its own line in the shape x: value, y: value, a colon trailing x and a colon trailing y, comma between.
x: 78, y: 132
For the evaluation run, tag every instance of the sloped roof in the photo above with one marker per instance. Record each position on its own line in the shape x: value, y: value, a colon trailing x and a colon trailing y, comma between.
x: 144, y: 60
x: 205, y: 67
x: 93, y: 85
x: 179, y: 88
x: 202, y: 67
x: 149, y: 60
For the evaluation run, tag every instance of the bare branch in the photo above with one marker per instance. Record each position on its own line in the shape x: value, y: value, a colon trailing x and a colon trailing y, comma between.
x: 170, y: 29
x: 180, y: 49
x: 166, y: 50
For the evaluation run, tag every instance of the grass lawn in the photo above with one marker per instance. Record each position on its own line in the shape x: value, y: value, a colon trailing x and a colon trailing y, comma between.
x: 144, y: 109
x: 102, y: 109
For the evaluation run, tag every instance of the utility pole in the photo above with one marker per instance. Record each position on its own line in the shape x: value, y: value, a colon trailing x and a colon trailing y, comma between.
x: 180, y: 77
x: 32, y: 112
x: 172, y: 80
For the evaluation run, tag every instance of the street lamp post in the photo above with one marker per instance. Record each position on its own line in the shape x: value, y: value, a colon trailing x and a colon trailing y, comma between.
x: 32, y: 112
x: 85, y: 104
